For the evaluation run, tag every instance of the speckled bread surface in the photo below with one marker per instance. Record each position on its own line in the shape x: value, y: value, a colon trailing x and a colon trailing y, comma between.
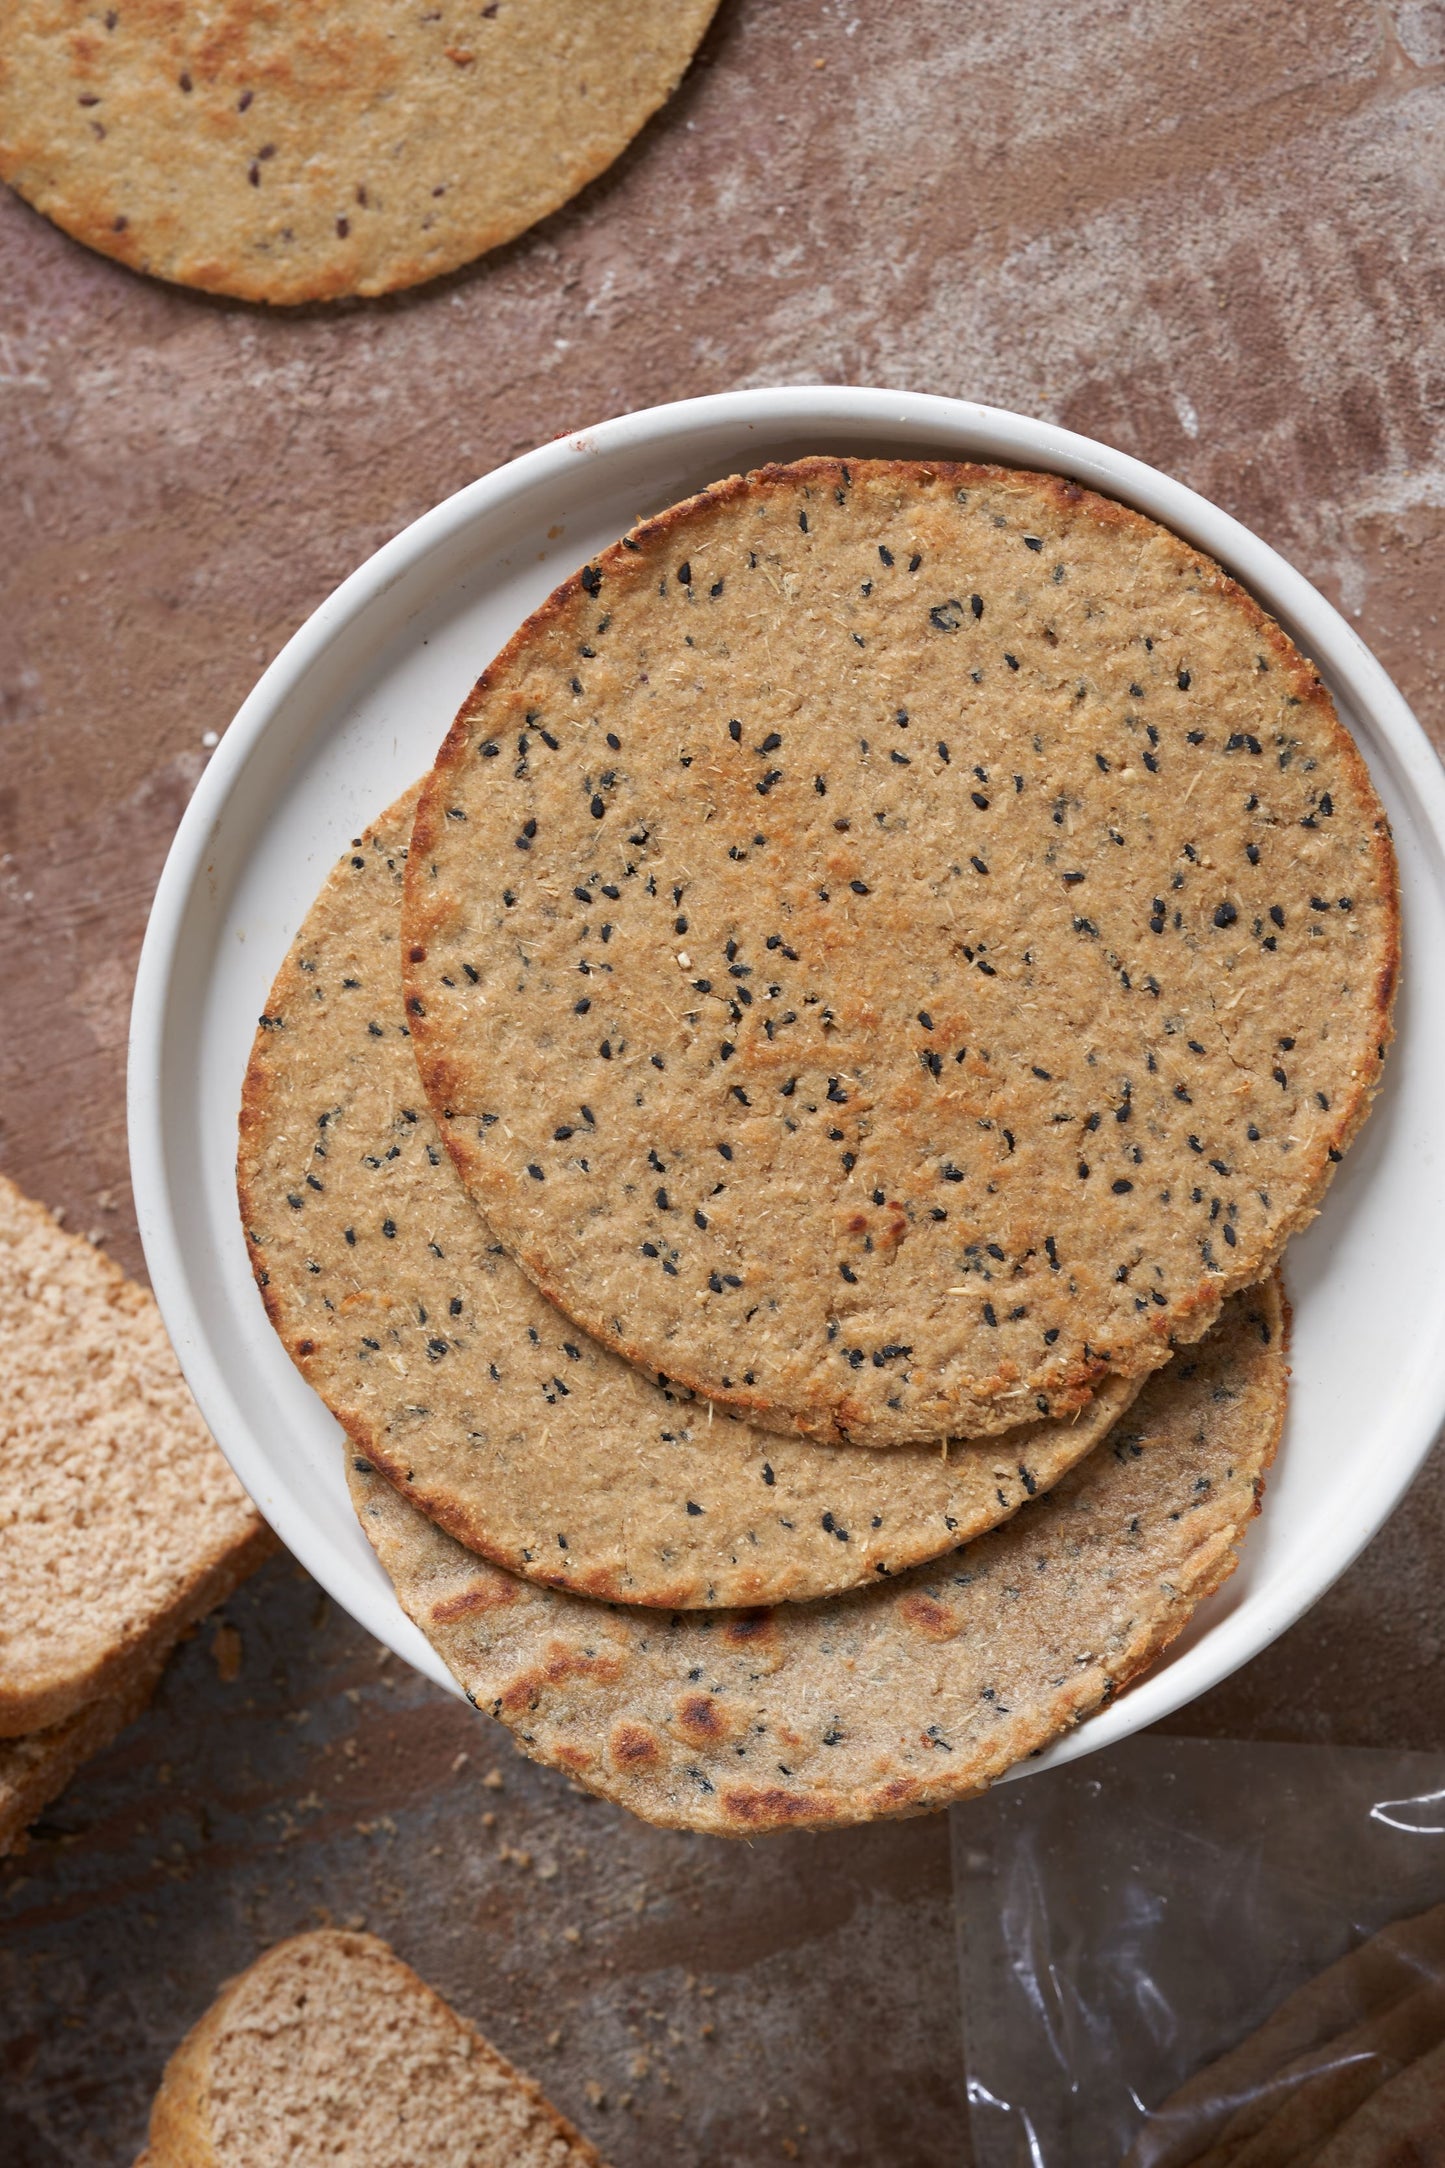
x: 889, y: 945
x: 120, y: 1523
x: 330, y: 2048
x: 283, y: 151
x: 517, y: 1433
x: 894, y: 1699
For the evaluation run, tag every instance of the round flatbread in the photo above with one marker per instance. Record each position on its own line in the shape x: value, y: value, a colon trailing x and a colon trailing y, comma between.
x: 891, y: 1700
x: 514, y: 1431
x: 297, y: 153
x: 959, y: 908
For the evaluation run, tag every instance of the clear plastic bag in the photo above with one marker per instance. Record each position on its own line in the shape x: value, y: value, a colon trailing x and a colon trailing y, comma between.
x: 1127, y: 1921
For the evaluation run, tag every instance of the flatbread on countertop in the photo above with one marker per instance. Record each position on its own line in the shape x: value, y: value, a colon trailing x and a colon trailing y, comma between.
x: 286, y: 152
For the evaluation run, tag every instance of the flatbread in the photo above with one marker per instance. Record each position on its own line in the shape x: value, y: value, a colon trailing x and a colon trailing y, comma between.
x: 288, y: 152
x: 894, y: 1699
x: 962, y: 913
x: 327, y: 2048
x: 514, y: 1431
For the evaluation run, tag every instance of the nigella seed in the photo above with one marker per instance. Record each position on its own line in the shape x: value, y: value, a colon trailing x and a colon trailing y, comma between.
x: 975, y: 603
x: 1033, y: 542
x: 597, y: 807
x: 860, y: 888
x: 979, y: 800
x: 1183, y: 681
x: 989, y: 1315
x: 1225, y: 915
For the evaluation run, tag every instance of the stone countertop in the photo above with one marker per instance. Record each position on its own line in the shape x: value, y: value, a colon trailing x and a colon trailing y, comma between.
x: 1211, y: 236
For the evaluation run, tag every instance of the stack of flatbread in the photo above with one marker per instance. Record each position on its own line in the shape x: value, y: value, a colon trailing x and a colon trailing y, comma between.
x: 778, y: 1150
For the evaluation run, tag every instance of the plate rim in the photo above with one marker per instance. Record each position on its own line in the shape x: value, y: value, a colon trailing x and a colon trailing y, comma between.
x: 830, y: 410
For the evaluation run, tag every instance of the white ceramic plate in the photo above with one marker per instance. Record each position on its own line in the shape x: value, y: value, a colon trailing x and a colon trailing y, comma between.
x: 354, y: 708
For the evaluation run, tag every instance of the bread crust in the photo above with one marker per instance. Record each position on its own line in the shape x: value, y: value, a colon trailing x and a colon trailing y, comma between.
x: 36, y: 1769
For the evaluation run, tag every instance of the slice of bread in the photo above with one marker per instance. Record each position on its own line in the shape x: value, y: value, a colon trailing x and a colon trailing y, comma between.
x: 330, y: 2048
x: 36, y: 1769
x: 120, y: 1523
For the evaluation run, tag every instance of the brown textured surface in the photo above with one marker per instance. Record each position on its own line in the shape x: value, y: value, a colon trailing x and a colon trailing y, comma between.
x: 1211, y: 236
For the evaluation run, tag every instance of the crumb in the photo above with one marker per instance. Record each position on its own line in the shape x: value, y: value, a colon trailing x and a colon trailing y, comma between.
x: 226, y: 1650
